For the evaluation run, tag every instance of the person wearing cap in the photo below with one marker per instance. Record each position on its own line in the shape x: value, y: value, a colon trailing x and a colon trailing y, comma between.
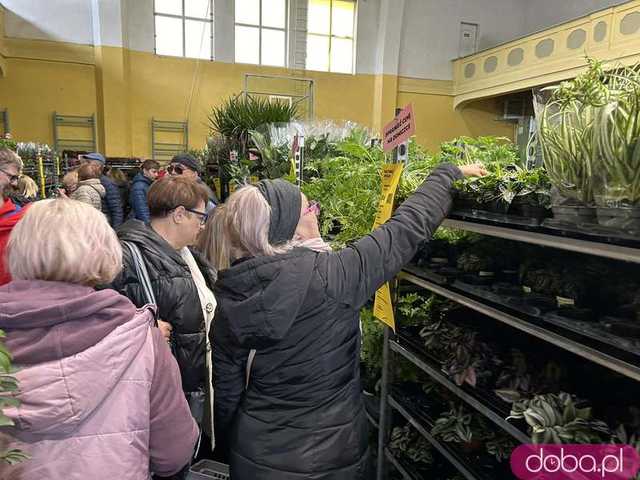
x: 186, y: 165
x: 286, y: 337
x: 112, y: 201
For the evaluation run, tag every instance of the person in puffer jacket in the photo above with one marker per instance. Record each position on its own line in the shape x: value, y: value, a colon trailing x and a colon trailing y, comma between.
x: 90, y: 190
x: 139, y: 188
x: 292, y: 306
x: 111, y: 202
x: 99, y: 390
x: 181, y: 281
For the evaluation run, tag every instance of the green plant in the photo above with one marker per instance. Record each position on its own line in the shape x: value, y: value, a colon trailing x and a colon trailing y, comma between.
x: 238, y: 115
x: 566, y: 131
x: 274, y: 162
x: 6, y: 143
x: 459, y: 426
x: 372, y: 345
x: 622, y: 437
x: 501, y: 447
x: 554, y: 418
x: 617, y: 133
x: 8, y: 388
x: 514, y: 380
x: 409, y: 443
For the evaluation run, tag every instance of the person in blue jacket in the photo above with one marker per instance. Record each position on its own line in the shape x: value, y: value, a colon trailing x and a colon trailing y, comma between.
x: 140, y: 185
x: 111, y: 203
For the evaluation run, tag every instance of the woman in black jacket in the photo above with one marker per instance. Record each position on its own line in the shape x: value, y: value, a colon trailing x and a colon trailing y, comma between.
x: 180, y: 278
x: 286, y: 337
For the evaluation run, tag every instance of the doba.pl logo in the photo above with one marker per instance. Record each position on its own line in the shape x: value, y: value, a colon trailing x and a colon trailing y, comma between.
x: 575, y: 462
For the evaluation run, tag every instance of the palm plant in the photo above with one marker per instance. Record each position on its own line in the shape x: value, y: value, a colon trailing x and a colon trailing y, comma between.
x: 238, y: 115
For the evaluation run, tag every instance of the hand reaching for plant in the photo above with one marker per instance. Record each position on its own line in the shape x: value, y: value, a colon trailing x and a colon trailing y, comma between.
x: 473, y: 170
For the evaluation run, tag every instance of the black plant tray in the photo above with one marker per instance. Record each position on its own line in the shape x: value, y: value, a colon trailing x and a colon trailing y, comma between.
x: 487, y: 397
x: 502, y: 218
x: 483, y: 465
x: 589, y: 232
x: 428, y: 274
x: 593, y: 334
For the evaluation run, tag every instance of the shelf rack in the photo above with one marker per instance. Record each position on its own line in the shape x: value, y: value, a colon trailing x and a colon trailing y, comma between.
x: 539, y: 236
x: 4, y: 122
x: 589, y: 247
x: 86, y: 142
x: 166, y: 150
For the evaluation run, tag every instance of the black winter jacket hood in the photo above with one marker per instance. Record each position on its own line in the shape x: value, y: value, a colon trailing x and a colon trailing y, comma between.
x: 267, y: 295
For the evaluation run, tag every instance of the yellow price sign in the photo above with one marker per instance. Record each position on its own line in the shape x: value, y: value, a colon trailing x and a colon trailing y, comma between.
x: 383, y: 307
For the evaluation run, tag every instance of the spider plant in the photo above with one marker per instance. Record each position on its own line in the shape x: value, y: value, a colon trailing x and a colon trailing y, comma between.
x: 566, y: 127
x: 617, y: 136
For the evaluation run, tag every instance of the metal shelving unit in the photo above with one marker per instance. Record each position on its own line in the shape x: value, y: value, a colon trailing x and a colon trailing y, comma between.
x: 4, y: 121
x: 623, y: 250
x: 589, y: 247
x: 591, y: 354
x: 165, y: 150
x: 425, y: 430
x: 404, y: 470
x: 86, y: 142
x: 470, y: 400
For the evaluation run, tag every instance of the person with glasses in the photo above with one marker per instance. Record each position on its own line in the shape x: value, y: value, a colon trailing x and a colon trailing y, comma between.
x: 286, y: 336
x: 181, y: 281
x: 186, y: 165
x: 10, y: 212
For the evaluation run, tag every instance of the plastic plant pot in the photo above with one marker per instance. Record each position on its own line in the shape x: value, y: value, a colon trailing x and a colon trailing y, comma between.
x: 509, y: 276
x: 576, y: 313
x: 529, y: 206
x: 497, y: 206
x: 623, y: 218
x: 574, y: 214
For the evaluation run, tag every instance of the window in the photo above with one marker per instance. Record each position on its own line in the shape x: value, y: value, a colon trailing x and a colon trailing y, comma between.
x: 261, y: 32
x: 330, y: 35
x: 183, y: 28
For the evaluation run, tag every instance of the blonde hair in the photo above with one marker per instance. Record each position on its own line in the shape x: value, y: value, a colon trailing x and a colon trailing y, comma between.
x: 9, y: 157
x: 70, y: 180
x: 212, y: 242
x: 246, y: 222
x: 27, y: 187
x: 64, y: 240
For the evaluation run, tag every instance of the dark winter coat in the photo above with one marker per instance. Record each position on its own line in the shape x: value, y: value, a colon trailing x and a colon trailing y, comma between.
x: 111, y: 202
x: 176, y: 296
x: 302, y: 415
x: 138, y: 197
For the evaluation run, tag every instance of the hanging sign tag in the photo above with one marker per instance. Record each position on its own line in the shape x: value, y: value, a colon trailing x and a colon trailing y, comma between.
x: 383, y: 307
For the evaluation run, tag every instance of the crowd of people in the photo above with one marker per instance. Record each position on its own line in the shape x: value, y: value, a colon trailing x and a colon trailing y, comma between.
x: 192, y: 328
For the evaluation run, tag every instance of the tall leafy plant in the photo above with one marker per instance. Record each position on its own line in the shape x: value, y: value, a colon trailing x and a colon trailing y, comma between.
x: 617, y: 135
x: 238, y: 115
x: 567, y: 125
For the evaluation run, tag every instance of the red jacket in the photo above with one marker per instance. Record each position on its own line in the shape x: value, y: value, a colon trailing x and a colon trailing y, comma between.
x: 10, y: 215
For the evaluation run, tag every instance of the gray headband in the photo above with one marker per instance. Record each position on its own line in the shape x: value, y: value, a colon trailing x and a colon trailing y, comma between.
x: 284, y: 199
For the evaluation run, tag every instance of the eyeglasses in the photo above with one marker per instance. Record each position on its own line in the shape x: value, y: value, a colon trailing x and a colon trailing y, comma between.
x: 203, y: 216
x: 12, y: 178
x: 313, y: 207
x: 177, y: 169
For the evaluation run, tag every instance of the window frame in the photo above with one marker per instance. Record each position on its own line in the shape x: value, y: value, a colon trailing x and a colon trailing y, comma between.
x: 260, y: 27
x: 331, y: 36
x: 184, y: 19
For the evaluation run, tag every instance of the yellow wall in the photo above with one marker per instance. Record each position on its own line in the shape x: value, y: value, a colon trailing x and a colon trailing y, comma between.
x: 125, y: 89
x: 437, y: 121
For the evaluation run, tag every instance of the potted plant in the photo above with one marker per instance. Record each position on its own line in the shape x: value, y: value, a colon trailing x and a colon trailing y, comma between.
x: 566, y: 116
x: 617, y: 135
x: 458, y: 426
x: 408, y: 443
x: 501, y: 447
x: 555, y: 418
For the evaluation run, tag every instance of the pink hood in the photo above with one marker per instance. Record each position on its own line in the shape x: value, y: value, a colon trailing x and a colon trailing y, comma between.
x: 97, y: 333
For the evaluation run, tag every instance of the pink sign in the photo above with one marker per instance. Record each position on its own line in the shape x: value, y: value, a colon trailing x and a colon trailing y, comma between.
x: 399, y: 129
x: 575, y: 462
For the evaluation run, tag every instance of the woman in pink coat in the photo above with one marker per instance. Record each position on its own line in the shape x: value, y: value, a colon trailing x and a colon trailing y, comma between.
x: 100, y: 392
